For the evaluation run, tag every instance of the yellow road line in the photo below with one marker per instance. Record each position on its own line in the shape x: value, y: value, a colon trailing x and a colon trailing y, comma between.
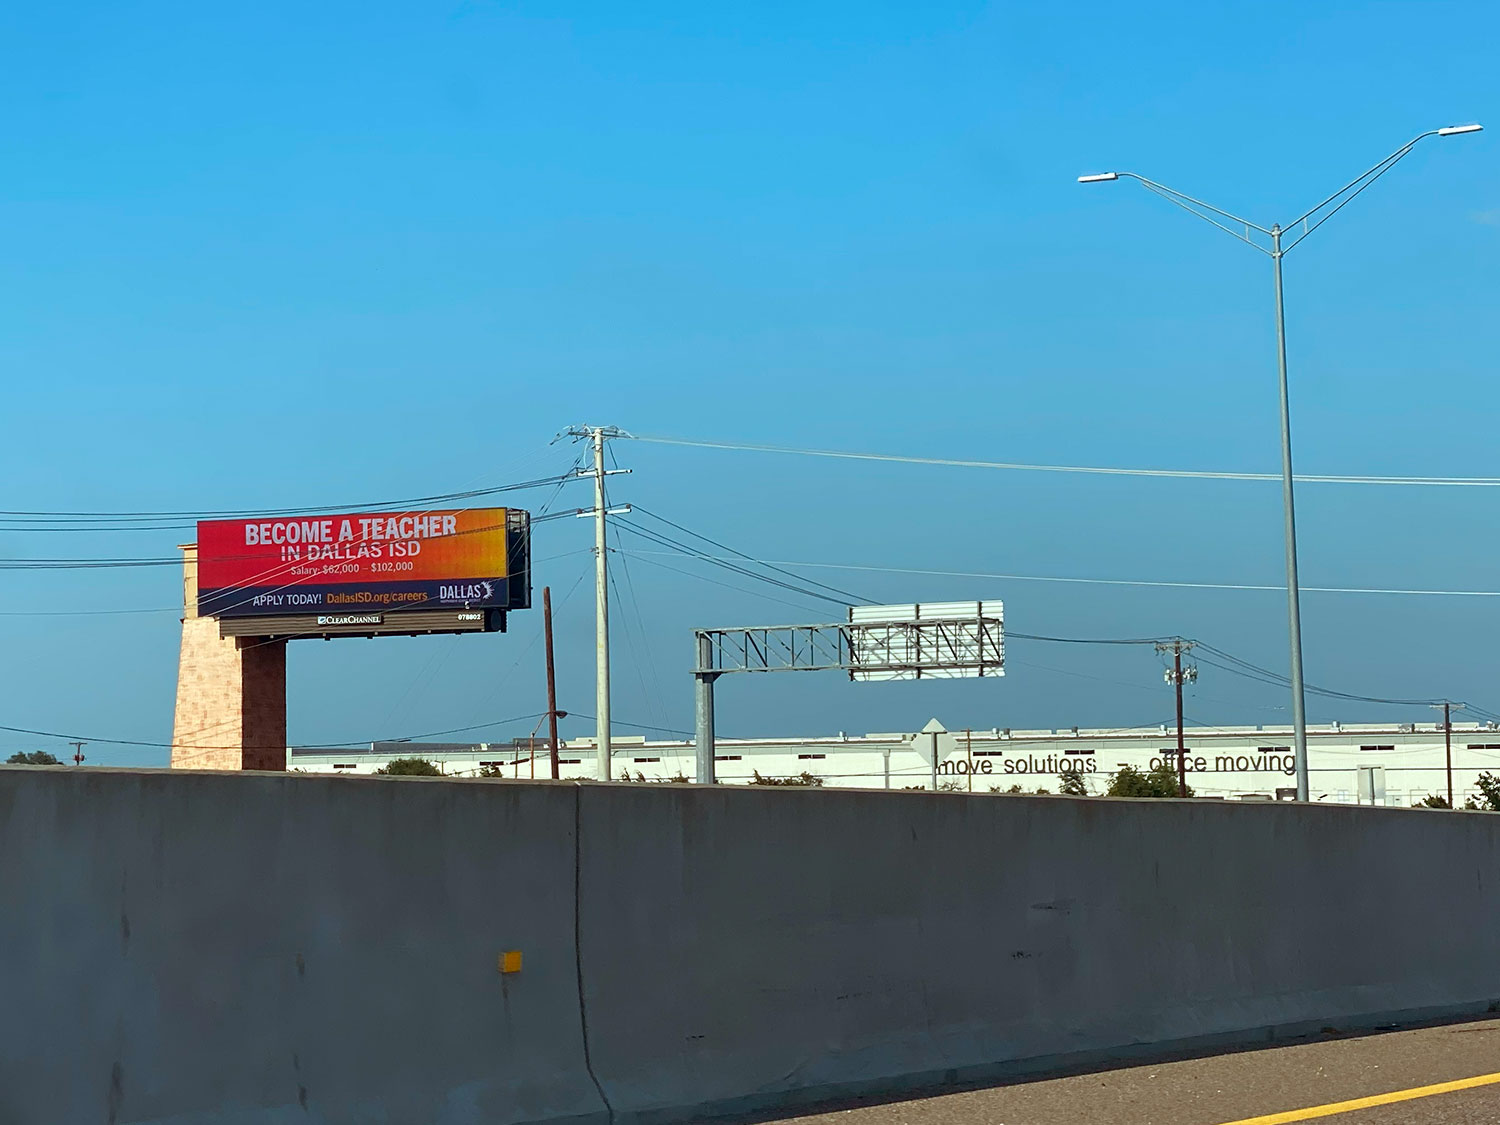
x: 1394, y: 1096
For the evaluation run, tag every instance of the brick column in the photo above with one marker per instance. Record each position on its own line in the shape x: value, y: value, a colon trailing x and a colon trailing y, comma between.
x: 231, y: 692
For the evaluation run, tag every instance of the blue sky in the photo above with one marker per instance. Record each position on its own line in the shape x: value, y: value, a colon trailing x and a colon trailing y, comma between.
x: 293, y: 254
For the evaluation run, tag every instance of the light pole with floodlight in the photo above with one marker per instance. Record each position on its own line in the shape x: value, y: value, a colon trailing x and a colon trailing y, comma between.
x: 1326, y: 210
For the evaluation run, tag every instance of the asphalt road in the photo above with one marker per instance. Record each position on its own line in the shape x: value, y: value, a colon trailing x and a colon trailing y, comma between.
x: 1242, y: 1087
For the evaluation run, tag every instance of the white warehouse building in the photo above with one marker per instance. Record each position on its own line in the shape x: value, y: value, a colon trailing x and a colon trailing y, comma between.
x: 1388, y: 764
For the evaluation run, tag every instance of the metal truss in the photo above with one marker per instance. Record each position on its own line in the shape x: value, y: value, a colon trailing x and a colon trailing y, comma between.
x: 885, y: 650
x: 773, y: 648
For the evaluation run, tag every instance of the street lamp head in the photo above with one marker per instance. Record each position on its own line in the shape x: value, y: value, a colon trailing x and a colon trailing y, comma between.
x: 1454, y: 130
x: 1098, y: 177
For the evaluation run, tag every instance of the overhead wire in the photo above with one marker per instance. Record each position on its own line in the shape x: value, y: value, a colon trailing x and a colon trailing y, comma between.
x: 711, y: 581
x: 1267, y: 675
x: 685, y: 549
x: 85, y: 519
x: 853, y: 597
x: 655, y: 703
x: 1102, y: 470
x: 313, y: 746
x: 1146, y: 583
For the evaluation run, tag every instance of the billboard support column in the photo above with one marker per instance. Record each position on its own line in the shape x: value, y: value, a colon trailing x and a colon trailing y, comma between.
x: 703, y: 709
x: 230, y: 711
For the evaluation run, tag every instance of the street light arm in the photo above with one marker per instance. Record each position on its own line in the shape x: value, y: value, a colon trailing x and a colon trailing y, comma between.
x: 1372, y: 174
x: 1194, y: 207
x: 1175, y: 196
x: 1171, y: 197
x: 1359, y: 184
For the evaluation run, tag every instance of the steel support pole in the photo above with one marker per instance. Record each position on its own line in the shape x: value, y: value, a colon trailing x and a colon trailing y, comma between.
x: 703, y: 709
x: 934, y: 761
x: 1293, y: 598
x: 601, y: 613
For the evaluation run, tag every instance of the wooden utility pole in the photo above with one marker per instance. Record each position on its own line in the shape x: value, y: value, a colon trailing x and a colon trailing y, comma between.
x: 1447, y: 706
x: 551, y: 680
x: 1177, y: 676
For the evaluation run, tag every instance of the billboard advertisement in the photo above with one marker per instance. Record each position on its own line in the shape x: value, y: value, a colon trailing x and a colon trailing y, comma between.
x: 364, y: 563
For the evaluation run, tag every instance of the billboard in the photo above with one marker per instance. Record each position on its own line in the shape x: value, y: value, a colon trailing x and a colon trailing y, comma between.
x: 365, y: 563
x: 926, y: 641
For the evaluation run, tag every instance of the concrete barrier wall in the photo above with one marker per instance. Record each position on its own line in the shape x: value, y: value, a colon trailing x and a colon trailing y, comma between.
x: 248, y: 948
x: 745, y: 949
x: 263, y: 949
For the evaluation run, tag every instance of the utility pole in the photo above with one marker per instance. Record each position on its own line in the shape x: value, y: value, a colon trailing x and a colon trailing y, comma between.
x: 1447, y: 705
x: 1177, y: 675
x: 78, y: 756
x: 551, y: 679
x: 601, y: 615
x: 597, y: 435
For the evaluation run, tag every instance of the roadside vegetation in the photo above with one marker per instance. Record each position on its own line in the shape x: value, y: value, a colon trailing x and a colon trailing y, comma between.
x: 32, y: 758
x: 1487, y: 801
x: 410, y: 767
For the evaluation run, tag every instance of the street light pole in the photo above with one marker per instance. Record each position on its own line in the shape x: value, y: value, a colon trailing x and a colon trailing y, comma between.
x: 1276, y: 251
x: 1289, y: 520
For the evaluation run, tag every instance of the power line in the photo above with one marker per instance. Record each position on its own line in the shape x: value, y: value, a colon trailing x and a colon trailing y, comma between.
x: 759, y: 562
x: 961, y: 463
x: 1148, y: 583
x: 348, y: 744
x: 67, y: 517
x: 1011, y: 634
x: 1266, y: 675
x: 685, y: 549
x: 643, y: 557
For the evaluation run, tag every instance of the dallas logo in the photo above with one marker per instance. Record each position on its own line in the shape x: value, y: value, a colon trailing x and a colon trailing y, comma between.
x: 466, y: 592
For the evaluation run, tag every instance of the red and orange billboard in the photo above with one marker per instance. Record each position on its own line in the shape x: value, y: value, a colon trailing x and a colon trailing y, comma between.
x: 475, y: 558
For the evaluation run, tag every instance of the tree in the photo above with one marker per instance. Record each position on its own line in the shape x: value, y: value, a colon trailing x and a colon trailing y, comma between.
x: 678, y: 778
x: 1018, y: 789
x: 34, y: 758
x: 410, y: 767
x: 1072, y: 784
x: 1489, y: 794
x: 804, y: 778
x: 1131, y: 782
x: 1432, y: 801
